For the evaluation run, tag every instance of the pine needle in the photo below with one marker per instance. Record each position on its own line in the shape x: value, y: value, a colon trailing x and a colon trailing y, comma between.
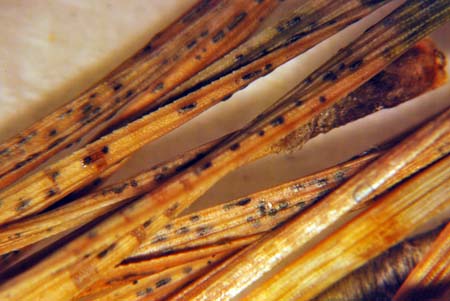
x: 389, y: 221
x: 431, y: 277
x: 78, y: 264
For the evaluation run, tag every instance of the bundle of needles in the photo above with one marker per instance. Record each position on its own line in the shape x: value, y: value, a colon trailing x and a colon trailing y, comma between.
x: 63, y: 238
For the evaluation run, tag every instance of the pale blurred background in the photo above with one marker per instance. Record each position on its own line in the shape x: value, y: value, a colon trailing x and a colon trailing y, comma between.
x: 51, y: 50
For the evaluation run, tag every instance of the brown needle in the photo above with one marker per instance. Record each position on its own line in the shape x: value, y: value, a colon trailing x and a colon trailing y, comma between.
x: 383, y: 275
x: 431, y: 277
x: 79, y: 262
x: 417, y: 71
x: 75, y: 171
x: 389, y: 221
x: 417, y: 151
x: 165, y: 62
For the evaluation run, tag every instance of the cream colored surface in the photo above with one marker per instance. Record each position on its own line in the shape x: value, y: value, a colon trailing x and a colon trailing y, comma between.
x: 50, y: 50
